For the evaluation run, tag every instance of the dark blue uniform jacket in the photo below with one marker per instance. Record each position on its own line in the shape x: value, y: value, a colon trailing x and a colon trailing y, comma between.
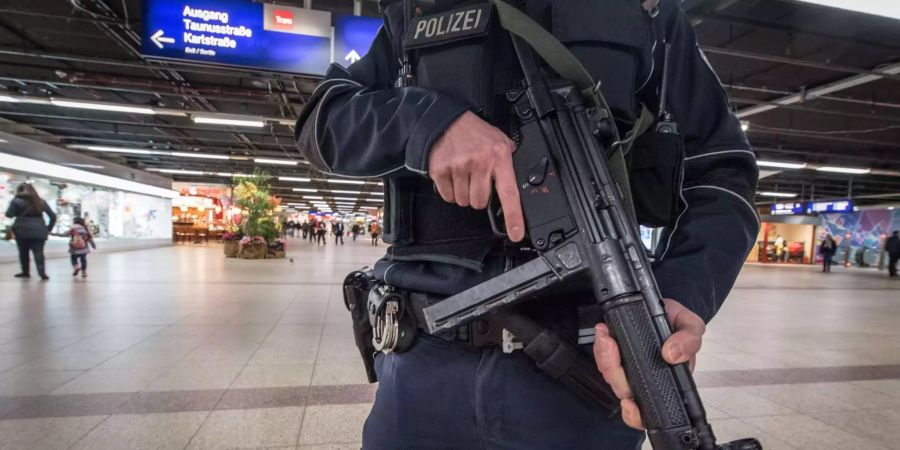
x: 358, y: 125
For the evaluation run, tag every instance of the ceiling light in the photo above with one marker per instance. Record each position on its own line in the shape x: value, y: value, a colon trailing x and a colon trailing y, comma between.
x: 312, y: 197
x: 177, y: 171
x: 232, y: 122
x: 300, y: 180
x: 376, y: 193
x: 55, y: 171
x: 883, y: 8
x: 100, y: 148
x: 281, y: 162
x: 305, y: 190
x: 745, y: 125
x: 6, y: 98
x: 102, y: 106
x: 199, y: 155
x: 850, y: 170
x: 349, y: 199
x: 83, y: 166
x: 334, y: 191
x: 781, y: 165
x: 777, y: 194
x: 333, y: 180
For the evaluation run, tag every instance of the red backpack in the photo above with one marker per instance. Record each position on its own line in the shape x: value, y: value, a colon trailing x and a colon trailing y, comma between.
x: 77, y: 242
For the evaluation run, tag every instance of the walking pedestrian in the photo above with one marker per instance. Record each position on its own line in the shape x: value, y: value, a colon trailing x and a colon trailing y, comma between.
x: 291, y: 227
x: 376, y: 231
x: 354, y: 230
x: 29, y: 228
x: 320, y: 232
x: 338, y: 230
x: 892, y: 247
x: 81, y: 241
x: 827, y: 249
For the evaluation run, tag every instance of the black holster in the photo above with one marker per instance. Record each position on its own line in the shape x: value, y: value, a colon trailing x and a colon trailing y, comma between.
x: 356, y: 293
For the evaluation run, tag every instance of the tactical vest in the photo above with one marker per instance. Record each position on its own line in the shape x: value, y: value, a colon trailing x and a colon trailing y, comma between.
x: 456, y: 47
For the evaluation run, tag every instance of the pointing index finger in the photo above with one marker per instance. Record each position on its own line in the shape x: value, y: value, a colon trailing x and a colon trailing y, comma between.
x: 505, y: 183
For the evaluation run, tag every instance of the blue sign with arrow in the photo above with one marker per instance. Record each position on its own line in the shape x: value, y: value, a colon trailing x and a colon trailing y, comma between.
x: 353, y: 36
x: 238, y: 32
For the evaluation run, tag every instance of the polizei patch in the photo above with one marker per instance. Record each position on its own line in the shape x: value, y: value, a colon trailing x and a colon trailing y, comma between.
x: 462, y: 23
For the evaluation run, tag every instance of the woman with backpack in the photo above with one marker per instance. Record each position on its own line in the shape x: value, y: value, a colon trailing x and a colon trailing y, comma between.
x: 30, y: 230
x: 80, y: 243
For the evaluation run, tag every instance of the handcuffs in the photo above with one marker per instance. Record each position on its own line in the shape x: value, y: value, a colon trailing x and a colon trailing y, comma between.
x: 393, y: 325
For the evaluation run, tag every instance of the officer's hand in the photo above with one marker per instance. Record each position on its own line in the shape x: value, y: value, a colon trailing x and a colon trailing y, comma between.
x: 681, y: 347
x: 467, y: 159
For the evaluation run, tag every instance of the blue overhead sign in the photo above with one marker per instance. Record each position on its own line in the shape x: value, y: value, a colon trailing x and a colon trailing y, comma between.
x: 840, y: 206
x: 353, y: 35
x: 238, y: 32
x: 797, y: 208
x: 787, y: 209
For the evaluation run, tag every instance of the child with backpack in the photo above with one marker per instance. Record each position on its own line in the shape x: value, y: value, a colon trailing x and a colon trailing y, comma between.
x: 80, y: 243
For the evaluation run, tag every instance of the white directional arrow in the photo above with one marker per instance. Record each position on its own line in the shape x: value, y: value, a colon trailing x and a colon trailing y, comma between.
x: 352, y: 56
x: 159, y: 40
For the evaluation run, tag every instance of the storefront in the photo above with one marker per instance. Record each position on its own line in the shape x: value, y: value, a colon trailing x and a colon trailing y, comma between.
x: 122, y: 214
x: 202, y: 212
x: 786, y: 240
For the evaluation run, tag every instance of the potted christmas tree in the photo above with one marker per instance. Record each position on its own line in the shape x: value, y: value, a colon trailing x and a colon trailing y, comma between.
x: 258, y: 223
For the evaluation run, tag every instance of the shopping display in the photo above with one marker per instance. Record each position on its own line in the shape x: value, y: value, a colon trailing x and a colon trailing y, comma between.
x: 109, y: 214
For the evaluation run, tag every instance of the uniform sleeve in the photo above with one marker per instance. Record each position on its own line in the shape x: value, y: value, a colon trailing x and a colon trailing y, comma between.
x: 699, y: 258
x: 358, y: 124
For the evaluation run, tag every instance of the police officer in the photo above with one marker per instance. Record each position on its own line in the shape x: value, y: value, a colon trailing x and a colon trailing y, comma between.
x: 443, y: 143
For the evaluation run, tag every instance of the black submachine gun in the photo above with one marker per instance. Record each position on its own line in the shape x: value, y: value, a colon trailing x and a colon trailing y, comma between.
x: 581, y: 225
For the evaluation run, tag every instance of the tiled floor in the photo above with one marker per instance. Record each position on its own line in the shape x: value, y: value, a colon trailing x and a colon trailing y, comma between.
x: 178, y: 348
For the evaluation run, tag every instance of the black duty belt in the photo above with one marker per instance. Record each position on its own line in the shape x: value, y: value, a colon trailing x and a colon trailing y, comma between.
x: 555, y: 355
x: 385, y: 320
